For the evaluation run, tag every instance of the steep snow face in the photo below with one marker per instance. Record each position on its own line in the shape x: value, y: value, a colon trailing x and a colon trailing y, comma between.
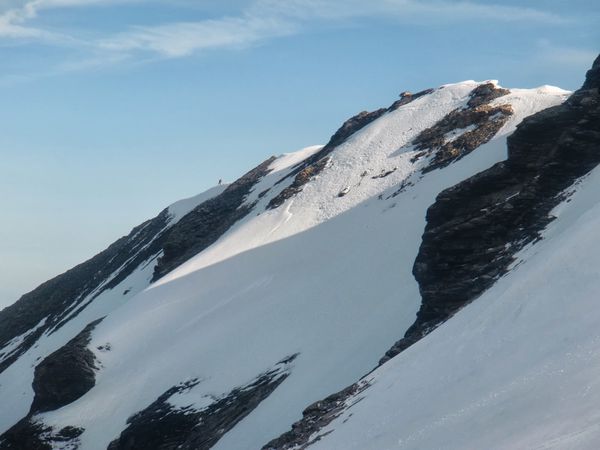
x: 518, y: 368
x: 327, y: 276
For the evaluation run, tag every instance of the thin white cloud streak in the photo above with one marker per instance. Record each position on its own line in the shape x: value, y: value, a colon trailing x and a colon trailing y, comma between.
x: 554, y: 55
x: 11, y: 24
x: 263, y: 20
x: 267, y: 19
x: 13, y: 19
x: 185, y: 38
x: 421, y: 11
x: 464, y: 11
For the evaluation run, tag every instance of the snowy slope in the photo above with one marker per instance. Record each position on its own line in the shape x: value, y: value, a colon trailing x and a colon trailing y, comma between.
x: 324, y: 276
x: 16, y: 393
x: 518, y: 368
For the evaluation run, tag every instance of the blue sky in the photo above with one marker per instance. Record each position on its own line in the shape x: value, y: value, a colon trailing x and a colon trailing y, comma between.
x: 112, y: 109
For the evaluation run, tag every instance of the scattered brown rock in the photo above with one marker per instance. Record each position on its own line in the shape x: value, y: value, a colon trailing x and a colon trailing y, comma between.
x: 474, y: 125
x: 485, y: 93
x: 301, y: 178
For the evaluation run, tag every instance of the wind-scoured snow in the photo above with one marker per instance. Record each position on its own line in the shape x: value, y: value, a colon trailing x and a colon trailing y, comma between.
x: 518, y: 368
x: 323, y: 275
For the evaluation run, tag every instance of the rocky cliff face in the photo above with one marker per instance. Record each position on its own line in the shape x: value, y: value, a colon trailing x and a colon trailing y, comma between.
x: 475, y: 228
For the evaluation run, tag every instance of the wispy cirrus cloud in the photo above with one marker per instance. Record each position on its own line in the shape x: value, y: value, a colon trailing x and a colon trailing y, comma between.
x: 555, y: 54
x: 12, y: 23
x: 16, y: 18
x: 184, y: 38
x: 259, y: 21
x: 268, y: 19
x: 424, y: 11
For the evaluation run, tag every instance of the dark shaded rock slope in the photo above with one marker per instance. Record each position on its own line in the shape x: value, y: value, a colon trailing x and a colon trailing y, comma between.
x: 65, y: 375
x: 61, y: 378
x: 162, y: 426
x: 30, y: 435
x: 315, y: 417
x: 208, y: 221
x: 475, y: 228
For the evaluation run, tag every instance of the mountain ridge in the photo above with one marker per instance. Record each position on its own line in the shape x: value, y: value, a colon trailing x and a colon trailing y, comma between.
x: 242, y: 297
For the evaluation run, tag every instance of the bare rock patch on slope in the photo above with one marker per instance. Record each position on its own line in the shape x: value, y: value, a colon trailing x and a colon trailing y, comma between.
x: 464, y: 129
x: 166, y: 427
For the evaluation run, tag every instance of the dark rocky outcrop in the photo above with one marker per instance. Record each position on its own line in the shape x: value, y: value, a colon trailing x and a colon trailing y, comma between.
x: 480, y: 120
x: 485, y: 93
x: 315, y: 418
x: 208, y: 221
x: 475, y: 228
x: 61, y: 378
x: 65, y: 375
x: 30, y: 435
x: 406, y: 97
x: 314, y: 164
x: 301, y: 178
x: 162, y: 426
